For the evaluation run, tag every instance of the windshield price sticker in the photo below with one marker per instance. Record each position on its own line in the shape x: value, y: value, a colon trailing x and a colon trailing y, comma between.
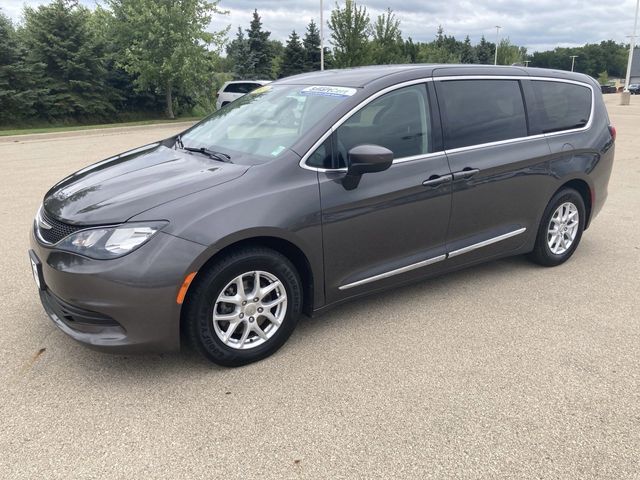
x: 329, y: 91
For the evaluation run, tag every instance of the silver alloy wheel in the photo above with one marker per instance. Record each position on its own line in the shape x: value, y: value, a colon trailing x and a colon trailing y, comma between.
x: 563, y: 228
x: 249, y: 310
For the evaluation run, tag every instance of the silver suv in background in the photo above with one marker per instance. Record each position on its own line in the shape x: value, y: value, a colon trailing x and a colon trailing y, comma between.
x: 230, y: 91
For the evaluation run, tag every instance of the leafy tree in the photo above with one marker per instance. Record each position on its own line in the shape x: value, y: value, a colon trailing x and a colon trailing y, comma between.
x: 484, y: 51
x: 443, y: 49
x: 387, y: 45
x: 293, y: 59
x: 440, y: 36
x: 238, y: 51
x: 119, y: 84
x: 350, y: 28
x: 410, y: 50
x: 259, y: 48
x: 276, y: 48
x: 432, y: 53
x: 62, y: 49
x: 311, y: 43
x: 329, y: 59
x: 603, y: 78
x: 18, y: 91
x: 592, y: 58
x: 508, y: 54
x: 166, y: 43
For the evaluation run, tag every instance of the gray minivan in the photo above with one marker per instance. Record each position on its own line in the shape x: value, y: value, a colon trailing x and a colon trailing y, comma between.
x: 316, y: 189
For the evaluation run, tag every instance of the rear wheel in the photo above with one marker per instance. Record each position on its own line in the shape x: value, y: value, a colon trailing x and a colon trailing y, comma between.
x: 244, y: 307
x: 561, y: 229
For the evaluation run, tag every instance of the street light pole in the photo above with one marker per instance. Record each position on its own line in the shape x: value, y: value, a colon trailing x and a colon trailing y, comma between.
x: 573, y: 60
x: 632, y: 45
x: 321, y: 36
x: 495, y: 58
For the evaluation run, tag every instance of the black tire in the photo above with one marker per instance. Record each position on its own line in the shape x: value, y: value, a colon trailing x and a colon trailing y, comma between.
x: 208, y: 286
x: 542, y: 253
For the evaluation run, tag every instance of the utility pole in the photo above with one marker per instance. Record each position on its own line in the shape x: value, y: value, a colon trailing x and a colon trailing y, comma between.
x: 573, y: 61
x: 632, y: 45
x: 321, y: 36
x: 495, y: 59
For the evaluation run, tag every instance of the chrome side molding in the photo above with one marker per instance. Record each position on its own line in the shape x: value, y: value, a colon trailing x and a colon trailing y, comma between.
x: 433, y: 260
x: 490, y: 241
x: 391, y: 273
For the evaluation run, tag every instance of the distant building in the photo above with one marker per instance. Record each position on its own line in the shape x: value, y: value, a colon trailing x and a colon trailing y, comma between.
x: 635, y: 67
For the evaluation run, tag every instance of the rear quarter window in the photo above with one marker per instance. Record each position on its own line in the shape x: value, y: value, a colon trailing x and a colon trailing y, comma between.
x: 481, y: 111
x: 559, y: 106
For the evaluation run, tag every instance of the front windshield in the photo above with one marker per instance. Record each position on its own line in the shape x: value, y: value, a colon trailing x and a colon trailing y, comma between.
x: 266, y: 121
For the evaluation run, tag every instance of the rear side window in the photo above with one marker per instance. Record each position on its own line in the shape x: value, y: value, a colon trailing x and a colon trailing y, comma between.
x: 559, y: 106
x: 241, y: 87
x: 481, y: 111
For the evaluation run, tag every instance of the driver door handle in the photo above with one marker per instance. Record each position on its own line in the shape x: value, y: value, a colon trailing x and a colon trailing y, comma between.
x: 437, y: 180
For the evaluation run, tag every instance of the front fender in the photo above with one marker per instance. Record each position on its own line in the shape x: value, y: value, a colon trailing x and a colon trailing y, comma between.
x: 278, y: 200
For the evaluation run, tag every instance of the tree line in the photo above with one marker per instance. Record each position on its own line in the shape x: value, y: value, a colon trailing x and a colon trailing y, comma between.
x: 134, y: 58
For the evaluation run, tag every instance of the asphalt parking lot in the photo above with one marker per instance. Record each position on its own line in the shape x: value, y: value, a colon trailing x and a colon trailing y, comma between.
x: 507, y: 370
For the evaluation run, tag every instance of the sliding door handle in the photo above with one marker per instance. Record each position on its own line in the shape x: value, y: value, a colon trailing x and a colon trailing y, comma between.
x: 465, y: 174
x: 437, y: 180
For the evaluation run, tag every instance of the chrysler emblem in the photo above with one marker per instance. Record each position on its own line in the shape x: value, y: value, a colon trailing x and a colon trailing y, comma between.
x: 42, y: 223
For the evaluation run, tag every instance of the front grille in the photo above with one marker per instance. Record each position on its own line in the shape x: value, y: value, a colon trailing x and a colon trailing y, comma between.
x: 58, y: 229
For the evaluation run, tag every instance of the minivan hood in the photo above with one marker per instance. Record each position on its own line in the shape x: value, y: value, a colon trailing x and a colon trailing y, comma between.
x: 120, y: 187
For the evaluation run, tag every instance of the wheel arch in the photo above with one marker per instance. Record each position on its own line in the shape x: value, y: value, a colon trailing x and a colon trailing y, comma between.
x: 585, y: 191
x: 281, y: 245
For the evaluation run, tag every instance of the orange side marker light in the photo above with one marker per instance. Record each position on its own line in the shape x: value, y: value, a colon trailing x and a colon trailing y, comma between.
x: 185, y: 286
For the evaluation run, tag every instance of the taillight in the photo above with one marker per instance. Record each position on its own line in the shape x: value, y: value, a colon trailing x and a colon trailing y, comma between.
x: 612, y: 131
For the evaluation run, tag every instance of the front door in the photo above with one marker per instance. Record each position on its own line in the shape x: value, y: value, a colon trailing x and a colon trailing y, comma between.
x: 392, y: 226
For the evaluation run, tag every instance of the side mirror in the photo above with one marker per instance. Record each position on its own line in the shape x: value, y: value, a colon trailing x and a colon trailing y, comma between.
x: 366, y: 159
x: 369, y: 159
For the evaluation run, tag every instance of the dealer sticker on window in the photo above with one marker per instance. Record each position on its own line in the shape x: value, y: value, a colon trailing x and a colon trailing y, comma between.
x: 257, y: 91
x: 326, y: 91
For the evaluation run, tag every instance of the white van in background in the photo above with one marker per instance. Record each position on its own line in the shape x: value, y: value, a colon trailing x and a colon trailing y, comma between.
x: 236, y: 89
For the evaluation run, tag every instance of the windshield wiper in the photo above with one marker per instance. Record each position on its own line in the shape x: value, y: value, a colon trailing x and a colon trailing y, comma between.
x: 221, y: 157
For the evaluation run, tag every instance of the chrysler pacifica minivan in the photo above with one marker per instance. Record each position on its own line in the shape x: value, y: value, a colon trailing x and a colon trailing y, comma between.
x: 316, y: 189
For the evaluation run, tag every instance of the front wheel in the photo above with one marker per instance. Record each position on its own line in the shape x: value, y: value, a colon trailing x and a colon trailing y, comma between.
x: 560, y: 229
x: 244, y: 306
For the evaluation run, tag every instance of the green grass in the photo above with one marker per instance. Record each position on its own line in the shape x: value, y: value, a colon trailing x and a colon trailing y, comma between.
x: 53, y: 129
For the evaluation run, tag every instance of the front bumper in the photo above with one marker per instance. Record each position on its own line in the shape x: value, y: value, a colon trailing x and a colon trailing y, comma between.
x: 124, y: 305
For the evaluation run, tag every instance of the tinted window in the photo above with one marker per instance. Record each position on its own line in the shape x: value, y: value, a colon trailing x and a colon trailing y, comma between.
x: 481, y: 111
x: 321, y: 158
x: 559, y: 106
x: 397, y: 121
x: 241, y: 87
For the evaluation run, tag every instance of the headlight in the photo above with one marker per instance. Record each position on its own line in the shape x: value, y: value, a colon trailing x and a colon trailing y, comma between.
x: 110, y: 242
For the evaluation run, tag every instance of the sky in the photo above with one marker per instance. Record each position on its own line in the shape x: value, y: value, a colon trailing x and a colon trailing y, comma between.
x: 535, y: 24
